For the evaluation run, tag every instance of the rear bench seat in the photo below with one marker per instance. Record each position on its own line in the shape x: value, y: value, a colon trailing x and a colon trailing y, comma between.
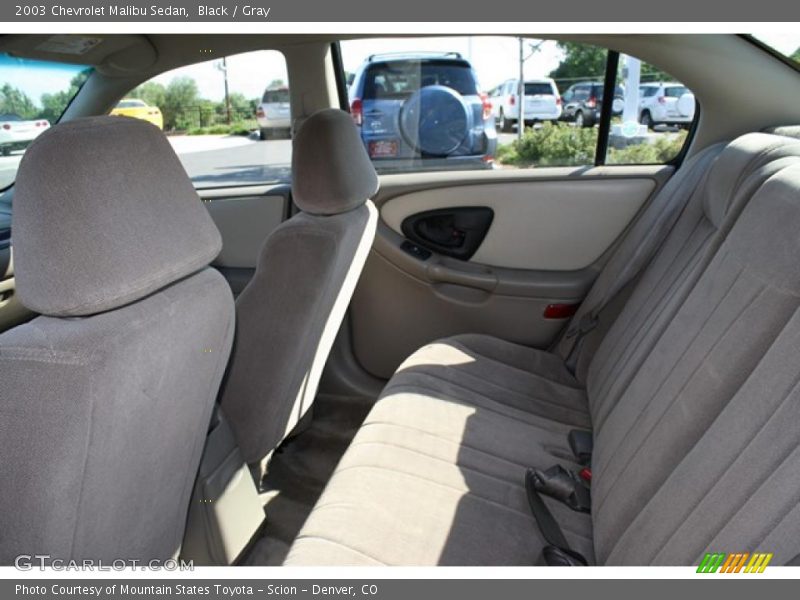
x: 688, y: 384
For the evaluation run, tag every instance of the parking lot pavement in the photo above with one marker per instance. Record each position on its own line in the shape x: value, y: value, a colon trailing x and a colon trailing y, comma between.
x: 211, y: 160
x: 188, y: 144
x: 250, y: 163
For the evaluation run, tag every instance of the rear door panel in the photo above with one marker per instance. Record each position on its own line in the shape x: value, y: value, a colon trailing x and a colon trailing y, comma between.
x: 550, y: 236
x: 245, y: 217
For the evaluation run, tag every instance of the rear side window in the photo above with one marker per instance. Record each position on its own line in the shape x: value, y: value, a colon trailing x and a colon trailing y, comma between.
x: 228, y: 119
x: 786, y: 44
x: 649, y: 127
x: 454, y: 103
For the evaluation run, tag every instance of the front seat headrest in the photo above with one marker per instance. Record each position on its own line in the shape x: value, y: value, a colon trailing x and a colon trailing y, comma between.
x: 331, y: 172
x: 104, y: 214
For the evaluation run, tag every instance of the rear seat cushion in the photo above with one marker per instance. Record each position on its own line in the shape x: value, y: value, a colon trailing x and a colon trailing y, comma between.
x: 438, y: 482
x: 496, y: 375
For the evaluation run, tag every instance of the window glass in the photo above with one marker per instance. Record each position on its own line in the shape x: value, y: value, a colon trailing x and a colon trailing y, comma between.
x: 787, y: 44
x: 650, y: 123
x: 228, y: 119
x: 453, y: 103
x: 538, y: 89
x: 33, y: 96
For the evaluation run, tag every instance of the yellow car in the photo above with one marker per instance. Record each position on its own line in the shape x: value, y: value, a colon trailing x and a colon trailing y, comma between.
x: 139, y: 109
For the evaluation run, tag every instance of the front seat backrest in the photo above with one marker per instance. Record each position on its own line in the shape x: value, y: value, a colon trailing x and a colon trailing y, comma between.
x: 290, y: 312
x: 105, y: 399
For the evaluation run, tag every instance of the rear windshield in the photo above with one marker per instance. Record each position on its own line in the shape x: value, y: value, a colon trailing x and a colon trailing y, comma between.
x: 130, y: 104
x: 675, y: 91
x: 10, y: 117
x: 400, y: 79
x: 534, y: 89
x: 274, y: 96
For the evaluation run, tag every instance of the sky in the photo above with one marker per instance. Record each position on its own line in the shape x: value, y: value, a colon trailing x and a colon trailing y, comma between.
x: 495, y: 59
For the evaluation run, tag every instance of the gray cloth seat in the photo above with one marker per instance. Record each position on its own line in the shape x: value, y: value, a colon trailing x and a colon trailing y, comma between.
x: 290, y: 312
x: 107, y: 396
x: 677, y: 391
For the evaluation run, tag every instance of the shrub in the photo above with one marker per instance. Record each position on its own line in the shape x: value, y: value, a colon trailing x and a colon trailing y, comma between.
x: 223, y: 129
x: 664, y: 149
x: 551, y: 144
x: 558, y: 144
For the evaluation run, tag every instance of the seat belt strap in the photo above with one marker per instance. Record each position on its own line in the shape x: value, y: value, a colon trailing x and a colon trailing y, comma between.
x: 646, y: 247
x: 558, y: 552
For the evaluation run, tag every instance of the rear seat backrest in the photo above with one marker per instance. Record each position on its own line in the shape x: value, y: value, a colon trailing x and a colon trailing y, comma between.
x: 704, y: 438
x: 736, y: 173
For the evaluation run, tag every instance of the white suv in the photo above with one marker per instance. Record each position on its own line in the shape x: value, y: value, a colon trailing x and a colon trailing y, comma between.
x: 273, y: 114
x: 665, y: 104
x: 542, y: 102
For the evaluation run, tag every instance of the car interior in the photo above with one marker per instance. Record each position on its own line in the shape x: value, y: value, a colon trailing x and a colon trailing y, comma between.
x: 579, y: 364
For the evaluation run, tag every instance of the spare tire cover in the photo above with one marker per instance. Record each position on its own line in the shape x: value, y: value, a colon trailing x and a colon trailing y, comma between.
x: 435, y: 120
x: 686, y: 105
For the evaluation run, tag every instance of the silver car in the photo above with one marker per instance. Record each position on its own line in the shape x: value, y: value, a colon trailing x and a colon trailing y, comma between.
x: 273, y: 114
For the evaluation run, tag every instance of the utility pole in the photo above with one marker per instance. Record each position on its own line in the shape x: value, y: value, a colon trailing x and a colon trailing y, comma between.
x: 521, y: 88
x: 224, y: 68
x: 521, y: 91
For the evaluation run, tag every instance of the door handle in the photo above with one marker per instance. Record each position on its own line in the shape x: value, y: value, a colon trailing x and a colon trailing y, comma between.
x: 455, y: 232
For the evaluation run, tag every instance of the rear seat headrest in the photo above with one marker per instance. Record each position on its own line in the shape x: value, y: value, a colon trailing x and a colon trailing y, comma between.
x: 331, y: 172
x: 738, y: 161
x: 104, y: 214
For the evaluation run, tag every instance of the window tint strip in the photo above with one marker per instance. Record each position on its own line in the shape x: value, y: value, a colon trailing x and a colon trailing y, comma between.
x: 609, y: 86
x: 338, y: 69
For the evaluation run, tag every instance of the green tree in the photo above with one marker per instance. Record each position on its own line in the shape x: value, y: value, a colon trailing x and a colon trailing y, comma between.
x: 583, y: 61
x: 151, y: 92
x: 181, y: 106
x: 796, y: 55
x: 15, y: 101
x: 54, y: 105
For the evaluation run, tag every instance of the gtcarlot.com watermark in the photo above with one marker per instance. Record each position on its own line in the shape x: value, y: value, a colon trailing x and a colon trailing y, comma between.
x: 29, y: 562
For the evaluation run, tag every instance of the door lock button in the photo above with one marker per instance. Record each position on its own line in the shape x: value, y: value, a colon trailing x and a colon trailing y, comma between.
x: 415, y: 250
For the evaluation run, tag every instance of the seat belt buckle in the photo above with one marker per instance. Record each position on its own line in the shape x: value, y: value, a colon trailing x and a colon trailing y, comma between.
x: 581, y: 443
x: 564, y: 486
x: 554, y: 556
